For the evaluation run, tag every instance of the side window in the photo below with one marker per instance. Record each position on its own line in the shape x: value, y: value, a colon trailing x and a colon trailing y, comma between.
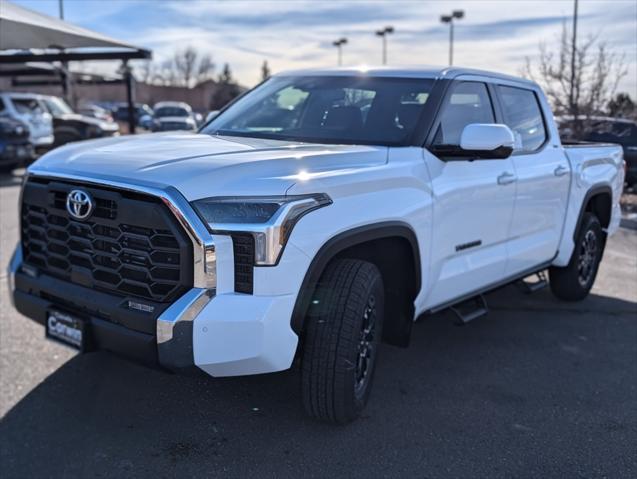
x: 468, y: 103
x: 522, y: 113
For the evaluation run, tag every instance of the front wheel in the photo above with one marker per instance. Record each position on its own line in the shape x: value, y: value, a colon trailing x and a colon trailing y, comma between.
x: 574, y: 282
x: 341, y: 340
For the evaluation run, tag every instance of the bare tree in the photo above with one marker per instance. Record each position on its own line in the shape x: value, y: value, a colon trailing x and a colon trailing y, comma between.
x: 186, y: 67
x: 265, y: 70
x: 185, y: 63
x: 205, y: 69
x: 596, y: 72
x: 226, y: 91
x: 146, y: 71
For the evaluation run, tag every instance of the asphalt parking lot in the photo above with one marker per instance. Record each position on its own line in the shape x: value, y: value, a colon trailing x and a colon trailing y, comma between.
x: 538, y: 388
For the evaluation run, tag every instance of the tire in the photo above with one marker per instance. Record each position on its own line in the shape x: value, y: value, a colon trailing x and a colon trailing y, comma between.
x: 574, y: 282
x: 342, y: 335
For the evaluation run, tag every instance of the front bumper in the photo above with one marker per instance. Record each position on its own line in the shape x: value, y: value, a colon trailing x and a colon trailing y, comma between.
x: 231, y: 334
x: 110, y: 326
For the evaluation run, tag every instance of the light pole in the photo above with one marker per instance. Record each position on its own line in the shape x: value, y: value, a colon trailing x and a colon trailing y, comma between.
x: 383, y: 34
x: 571, y: 99
x: 456, y: 14
x: 339, y: 45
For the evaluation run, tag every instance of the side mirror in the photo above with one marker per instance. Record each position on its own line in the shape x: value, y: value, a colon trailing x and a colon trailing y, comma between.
x: 484, y: 140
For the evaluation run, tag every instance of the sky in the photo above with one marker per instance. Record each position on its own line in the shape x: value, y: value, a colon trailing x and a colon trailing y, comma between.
x: 494, y: 35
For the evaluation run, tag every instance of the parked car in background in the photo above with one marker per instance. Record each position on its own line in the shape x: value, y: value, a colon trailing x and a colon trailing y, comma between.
x: 173, y: 115
x: 15, y: 147
x: 96, y: 111
x: 604, y: 129
x: 143, y: 114
x: 27, y: 108
x: 69, y: 126
x: 622, y: 132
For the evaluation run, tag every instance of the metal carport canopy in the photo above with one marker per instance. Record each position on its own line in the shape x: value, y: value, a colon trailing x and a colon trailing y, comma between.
x: 22, y: 29
x: 28, y: 36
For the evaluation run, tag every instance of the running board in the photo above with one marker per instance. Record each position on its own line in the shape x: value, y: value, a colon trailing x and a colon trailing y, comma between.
x: 470, y: 309
x: 540, y: 283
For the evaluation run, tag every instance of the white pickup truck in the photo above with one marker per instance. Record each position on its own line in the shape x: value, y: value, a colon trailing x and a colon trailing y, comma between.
x: 321, y: 213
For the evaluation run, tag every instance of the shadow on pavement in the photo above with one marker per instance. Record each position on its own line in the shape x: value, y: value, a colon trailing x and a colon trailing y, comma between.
x: 522, y: 392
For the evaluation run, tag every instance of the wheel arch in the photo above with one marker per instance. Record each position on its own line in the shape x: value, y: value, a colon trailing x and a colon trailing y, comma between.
x: 401, y: 270
x: 598, y: 200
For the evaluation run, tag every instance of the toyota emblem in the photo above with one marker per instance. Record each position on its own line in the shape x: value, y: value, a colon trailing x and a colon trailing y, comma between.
x: 79, y: 204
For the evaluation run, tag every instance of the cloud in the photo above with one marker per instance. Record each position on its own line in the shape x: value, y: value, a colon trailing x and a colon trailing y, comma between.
x: 495, y: 34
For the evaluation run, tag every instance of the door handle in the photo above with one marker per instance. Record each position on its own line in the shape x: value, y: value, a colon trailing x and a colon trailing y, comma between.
x: 560, y: 171
x: 507, y: 178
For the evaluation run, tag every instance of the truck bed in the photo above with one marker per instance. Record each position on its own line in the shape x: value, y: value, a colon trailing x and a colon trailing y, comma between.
x: 595, y: 167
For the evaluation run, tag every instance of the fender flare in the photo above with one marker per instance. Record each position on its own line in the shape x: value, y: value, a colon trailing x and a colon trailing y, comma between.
x: 341, y: 242
x: 595, y: 190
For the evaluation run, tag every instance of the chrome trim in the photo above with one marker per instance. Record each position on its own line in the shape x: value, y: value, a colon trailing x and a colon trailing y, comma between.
x: 185, y: 308
x: 270, y: 237
x: 178, y: 205
x: 12, y: 269
x: 175, y: 348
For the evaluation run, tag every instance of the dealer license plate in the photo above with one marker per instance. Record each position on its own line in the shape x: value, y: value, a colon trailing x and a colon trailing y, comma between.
x: 65, y: 328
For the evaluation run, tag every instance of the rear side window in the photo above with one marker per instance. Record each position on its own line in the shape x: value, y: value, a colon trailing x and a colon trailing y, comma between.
x: 1, y: 104
x: 522, y: 113
x: 468, y: 103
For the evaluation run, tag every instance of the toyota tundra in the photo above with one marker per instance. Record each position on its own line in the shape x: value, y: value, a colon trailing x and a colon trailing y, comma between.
x: 315, y: 217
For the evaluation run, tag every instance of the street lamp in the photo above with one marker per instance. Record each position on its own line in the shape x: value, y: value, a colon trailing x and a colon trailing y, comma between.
x: 339, y: 45
x: 456, y: 14
x: 383, y: 34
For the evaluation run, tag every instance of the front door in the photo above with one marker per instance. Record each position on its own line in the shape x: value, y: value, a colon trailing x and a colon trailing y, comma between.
x: 473, y: 203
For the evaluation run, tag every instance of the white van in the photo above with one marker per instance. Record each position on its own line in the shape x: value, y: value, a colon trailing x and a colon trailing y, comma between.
x: 28, y: 108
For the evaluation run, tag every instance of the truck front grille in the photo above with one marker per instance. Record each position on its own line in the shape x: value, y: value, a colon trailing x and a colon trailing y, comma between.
x: 130, y: 245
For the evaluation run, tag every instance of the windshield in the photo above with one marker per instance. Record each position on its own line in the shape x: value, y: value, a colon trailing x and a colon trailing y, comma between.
x: 57, y: 106
x: 171, y: 111
x: 322, y: 109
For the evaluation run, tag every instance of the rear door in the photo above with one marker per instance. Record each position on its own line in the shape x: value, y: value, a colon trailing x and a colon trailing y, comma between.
x: 473, y: 202
x: 543, y: 180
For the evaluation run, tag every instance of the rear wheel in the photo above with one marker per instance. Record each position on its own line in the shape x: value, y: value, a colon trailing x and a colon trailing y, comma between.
x: 574, y: 282
x: 341, y: 340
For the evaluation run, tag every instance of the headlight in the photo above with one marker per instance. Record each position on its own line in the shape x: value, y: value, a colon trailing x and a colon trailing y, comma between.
x: 269, y: 219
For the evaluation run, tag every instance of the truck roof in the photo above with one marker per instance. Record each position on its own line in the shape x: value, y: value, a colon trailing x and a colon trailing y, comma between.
x: 424, y: 71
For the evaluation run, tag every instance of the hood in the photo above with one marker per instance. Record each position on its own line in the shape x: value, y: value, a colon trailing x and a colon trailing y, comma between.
x: 201, y: 166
